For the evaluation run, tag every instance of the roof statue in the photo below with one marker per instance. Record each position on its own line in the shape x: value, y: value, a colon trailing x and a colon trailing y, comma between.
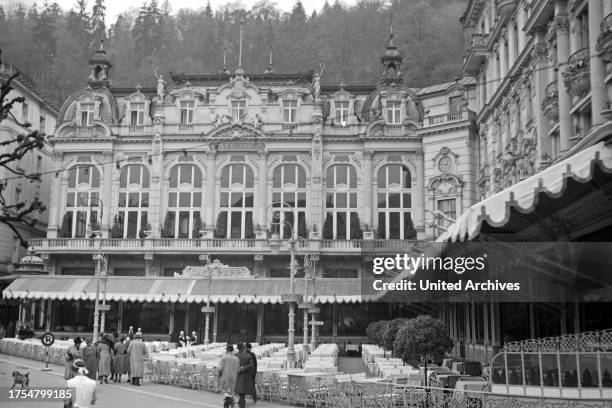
x: 316, y: 83
x: 160, y: 84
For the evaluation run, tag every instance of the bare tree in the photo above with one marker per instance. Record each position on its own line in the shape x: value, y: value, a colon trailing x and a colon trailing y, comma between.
x: 13, y: 148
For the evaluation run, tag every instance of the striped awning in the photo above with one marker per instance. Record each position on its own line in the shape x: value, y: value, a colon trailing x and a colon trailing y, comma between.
x: 180, y: 289
x: 522, y: 196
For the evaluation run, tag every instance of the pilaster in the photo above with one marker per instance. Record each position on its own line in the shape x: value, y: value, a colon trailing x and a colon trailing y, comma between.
x: 367, y: 187
x: 565, y: 121
x: 420, y: 203
x: 539, y: 79
x: 316, y: 201
x: 107, y: 193
x: 55, y: 197
x: 209, y: 197
x: 261, y: 196
x: 597, y: 69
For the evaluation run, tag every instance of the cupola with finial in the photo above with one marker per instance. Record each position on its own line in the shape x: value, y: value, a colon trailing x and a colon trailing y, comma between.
x: 99, y: 69
x: 391, y: 61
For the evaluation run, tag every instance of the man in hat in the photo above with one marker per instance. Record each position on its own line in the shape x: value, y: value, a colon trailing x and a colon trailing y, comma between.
x: 228, y: 371
x: 249, y: 350
x: 85, y: 388
x: 244, y: 381
x: 137, y: 353
x: 74, y: 352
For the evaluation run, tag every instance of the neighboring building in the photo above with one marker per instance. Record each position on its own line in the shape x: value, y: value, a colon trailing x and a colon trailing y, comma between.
x: 189, y: 173
x: 42, y: 115
x: 544, y: 86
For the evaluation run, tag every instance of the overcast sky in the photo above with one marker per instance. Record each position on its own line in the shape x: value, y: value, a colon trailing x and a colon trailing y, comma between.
x: 116, y: 7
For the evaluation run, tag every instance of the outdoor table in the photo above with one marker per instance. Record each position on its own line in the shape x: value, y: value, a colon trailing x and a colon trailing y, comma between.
x: 352, y: 347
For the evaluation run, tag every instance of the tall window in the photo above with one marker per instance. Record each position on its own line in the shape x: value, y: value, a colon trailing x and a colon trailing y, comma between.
x: 87, y: 114
x: 235, y: 218
x: 42, y: 123
x: 186, y: 112
x: 342, y: 219
x: 82, y: 201
x: 342, y: 111
x: 132, y: 215
x: 238, y: 110
x: 290, y: 111
x: 394, y: 112
x: 183, y: 218
x: 395, y: 203
x: 448, y: 207
x: 289, y: 186
x: 137, y: 113
x: 25, y: 112
x: 455, y: 104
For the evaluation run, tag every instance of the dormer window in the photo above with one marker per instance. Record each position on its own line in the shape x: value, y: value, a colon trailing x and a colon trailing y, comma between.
x: 238, y: 110
x: 394, y: 112
x: 87, y: 114
x: 137, y: 111
x: 187, y: 112
x: 342, y: 112
x: 290, y: 111
x: 455, y: 103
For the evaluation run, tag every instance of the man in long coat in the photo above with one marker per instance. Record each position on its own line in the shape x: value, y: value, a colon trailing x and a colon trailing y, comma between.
x: 244, y: 381
x: 228, y: 371
x: 90, y: 356
x: 137, y: 352
x: 249, y: 350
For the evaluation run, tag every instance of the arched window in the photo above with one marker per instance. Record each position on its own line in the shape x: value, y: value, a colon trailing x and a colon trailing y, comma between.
x: 395, y: 203
x: 183, y: 218
x: 289, y: 187
x: 133, y: 208
x: 342, y: 220
x: 235, y: 218
x: 82, y: 198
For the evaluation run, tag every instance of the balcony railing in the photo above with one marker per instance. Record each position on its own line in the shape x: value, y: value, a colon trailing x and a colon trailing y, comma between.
x: 448, y: 117
x: 136, y: 129
x: 577, y: 78
x: 342, y: 244
x: 186, y: 128
x: 480, y: 40
x: 85, y: 131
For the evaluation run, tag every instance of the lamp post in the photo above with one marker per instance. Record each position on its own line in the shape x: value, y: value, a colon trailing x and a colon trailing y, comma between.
x: 291, y: 298
x: 98, y: 258
x: 208, y: 310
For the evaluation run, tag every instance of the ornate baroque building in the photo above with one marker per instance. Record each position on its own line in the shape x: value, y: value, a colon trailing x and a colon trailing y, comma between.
x: 189, y: 172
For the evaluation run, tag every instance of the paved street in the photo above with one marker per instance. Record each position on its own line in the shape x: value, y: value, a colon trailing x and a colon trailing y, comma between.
x: 110, y: 395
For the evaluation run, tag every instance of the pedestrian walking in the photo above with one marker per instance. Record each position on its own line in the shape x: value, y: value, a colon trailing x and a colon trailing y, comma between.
x: 137, y: 352
x: 90, y: 356
x: 228, y: 372
x: 182, y: 340
x: 249, y: 350
x: 105, y: 356
x: 84, y: 394
x: 73, y: 353
x: 120, y: 359
x: 244, y: 381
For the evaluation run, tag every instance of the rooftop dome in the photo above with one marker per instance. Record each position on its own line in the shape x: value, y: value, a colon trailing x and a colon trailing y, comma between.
x: 31, y: 264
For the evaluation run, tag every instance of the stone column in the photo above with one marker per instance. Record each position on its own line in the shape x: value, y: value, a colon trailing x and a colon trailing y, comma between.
x: 334, y: 322
x: 107, y: 193
x: 55, y: 199
x: 155, y: 195
x: 209, y: 193
x: 565, y: 103
x: 420, y: 204
x: 261, y: 196
x: 49, y: 315
x: 368, y: 193
x: 316, y: 202
x: 260, y: 320
x: 539, y: 77
x: 216, y: 323
x: 598, y: 87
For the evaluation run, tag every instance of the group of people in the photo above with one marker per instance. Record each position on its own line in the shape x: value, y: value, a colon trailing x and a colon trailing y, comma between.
x: 111, y: 356
x: 237, y: 372
x: 186, y: 341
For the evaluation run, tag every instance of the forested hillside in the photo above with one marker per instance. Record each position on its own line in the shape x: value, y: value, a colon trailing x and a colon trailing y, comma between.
x: 52, y: 45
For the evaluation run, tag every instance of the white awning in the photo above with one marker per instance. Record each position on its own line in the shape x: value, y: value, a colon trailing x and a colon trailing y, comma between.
x: 522, y: 196
x: 179, y: 289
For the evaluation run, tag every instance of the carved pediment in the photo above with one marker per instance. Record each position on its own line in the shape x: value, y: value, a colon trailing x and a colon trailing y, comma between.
x: 216, y: 270
x: 234, y: 130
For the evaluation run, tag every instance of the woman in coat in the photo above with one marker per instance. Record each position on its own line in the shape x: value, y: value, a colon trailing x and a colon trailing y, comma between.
x: 137, y: 352
x: 73, y: 353
x: 90, y: 356
x: 105, y: 355
x: 244, y: 381
x: 120, y: 359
